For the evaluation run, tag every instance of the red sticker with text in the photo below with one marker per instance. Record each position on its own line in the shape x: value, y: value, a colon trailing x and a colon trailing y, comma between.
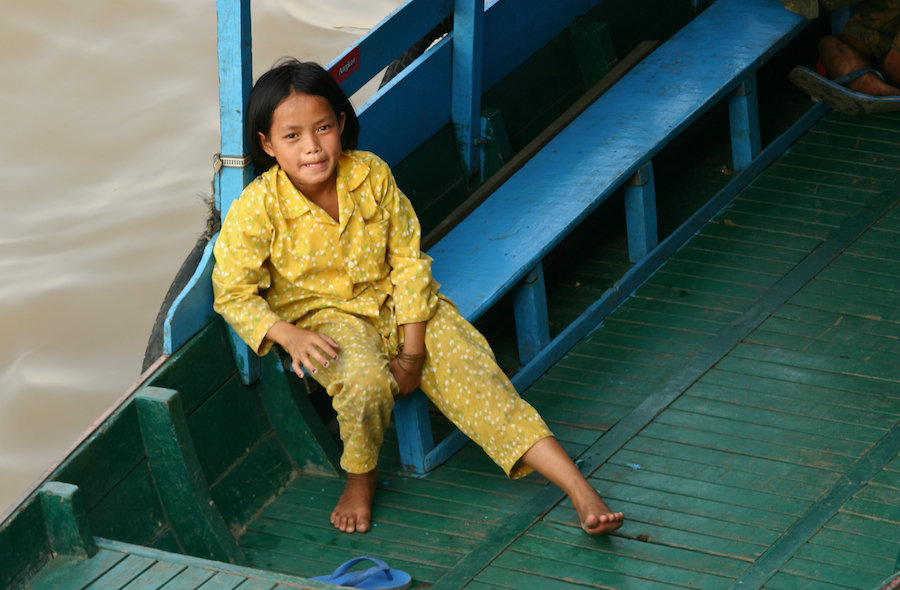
x: 342, y: 70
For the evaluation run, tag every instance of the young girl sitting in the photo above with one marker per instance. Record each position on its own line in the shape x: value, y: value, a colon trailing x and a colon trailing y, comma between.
x: 321, y: 255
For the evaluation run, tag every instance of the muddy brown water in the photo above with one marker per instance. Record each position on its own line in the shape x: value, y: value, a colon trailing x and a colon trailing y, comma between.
x: 108, y: 126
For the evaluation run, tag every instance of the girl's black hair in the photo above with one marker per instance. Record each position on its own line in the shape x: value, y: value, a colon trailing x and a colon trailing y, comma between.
x: 285, y: 78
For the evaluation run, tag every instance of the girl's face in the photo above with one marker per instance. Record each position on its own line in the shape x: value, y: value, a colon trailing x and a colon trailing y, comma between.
x: 305, y: 140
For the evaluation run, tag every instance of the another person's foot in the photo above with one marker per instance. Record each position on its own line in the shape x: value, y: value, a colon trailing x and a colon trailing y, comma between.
x: 596, y: 517
x: 353, y: 513
x: 841, y: 57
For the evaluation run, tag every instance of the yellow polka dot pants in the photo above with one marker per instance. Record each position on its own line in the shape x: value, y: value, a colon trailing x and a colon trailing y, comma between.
x: 460, y: 376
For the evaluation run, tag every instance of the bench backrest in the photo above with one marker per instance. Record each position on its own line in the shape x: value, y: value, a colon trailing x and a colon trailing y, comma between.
x: 495, y: 246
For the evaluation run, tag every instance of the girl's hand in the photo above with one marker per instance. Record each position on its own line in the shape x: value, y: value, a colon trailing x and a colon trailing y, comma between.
x: 304, y: 346
x: 407, y: 372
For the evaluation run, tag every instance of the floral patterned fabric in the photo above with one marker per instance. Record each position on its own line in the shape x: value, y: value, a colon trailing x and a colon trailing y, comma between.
x: 277, y: 243
x: 460, y: 376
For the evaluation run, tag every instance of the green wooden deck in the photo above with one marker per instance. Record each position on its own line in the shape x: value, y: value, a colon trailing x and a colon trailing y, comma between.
x: 742, y: 409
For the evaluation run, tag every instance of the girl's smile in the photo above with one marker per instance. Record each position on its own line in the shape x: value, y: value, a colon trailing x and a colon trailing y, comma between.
x: 305, y: 140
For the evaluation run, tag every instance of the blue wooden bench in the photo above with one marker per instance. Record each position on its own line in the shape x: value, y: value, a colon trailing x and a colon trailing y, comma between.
x: 498, y: 248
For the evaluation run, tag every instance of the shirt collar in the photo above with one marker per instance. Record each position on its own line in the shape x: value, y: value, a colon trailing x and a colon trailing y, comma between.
x: 351, y: 173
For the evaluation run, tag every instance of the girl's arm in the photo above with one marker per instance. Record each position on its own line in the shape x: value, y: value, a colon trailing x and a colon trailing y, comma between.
x: 240, y: 272
x: 407, y: 367
x: 415, y: 292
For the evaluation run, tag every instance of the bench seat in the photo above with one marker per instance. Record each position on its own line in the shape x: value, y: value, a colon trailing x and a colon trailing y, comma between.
x: 498, y: 248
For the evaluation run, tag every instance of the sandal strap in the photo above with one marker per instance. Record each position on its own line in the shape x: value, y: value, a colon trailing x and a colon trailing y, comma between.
x: 847, y: 78
x: 352, y: 581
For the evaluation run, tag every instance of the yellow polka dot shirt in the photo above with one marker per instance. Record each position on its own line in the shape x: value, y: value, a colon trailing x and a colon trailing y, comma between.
x: 279, y: 256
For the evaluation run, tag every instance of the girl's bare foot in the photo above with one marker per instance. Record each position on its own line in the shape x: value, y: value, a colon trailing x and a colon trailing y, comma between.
x: 549, y: 459
x: 596, y: 517
x: 353, y: 513
x: 841, y: 57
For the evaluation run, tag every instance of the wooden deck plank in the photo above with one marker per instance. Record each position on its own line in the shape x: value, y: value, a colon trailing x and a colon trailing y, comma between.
x: 708, y: 246
x: 683, y: 485
x: 792, y: 582
x: 775, y: 226
x: 649, y: 575
x: 828, y: 302
x: 644, y: 308
x: 713, y: 509
x: 870, y: 562
x: 738, y: 295
x: 779, y: 213
x: 826, y: 178
x: 791, y: 242
x: 734, y: 462
x: 830, y: 407
x: 854, y: 547
x: 695, y: 340
x: 673, y: 529
x: 542, y: 537
x: 598, y: 351
x: 224, y: 581
x: 590, y: 396
x: 66, y: 573
x: 523, y: 580
x: 715, y: 474
x: 638, y: 345
x: 822, y: 363
x: 190, y: 579
x: 835, y: 210
x: 787, y: 439
x: 761, y: 449
x: 853, y: 342
x: 841, y: 346
x: 855, y: 172
x: 811, y: 187
x: 122, y: 573
x: 838, y: 575
x: 851, y: 265
x: 706, y: 250
x: 809, y: 377
x: 856, y: 524
x: 444, y: 502
x: 317, y: 528
x: 748, y: 272
x: 887, y: 478
x: 785, y: 418
x: 157, y: 576
x: 880, y: 295
x: 276, y: 534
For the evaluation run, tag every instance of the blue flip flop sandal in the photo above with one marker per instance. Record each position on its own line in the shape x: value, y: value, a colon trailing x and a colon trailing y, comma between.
x: 378, y: 577
x: 836, y: 95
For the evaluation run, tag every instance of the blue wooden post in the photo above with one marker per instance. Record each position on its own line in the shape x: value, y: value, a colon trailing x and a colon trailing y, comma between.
x: 465, y: 101
x: 530, y: 306
x: 743, y: 112
x: 234, y: 168
x: 413, y: 431
x: 640, y: 213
